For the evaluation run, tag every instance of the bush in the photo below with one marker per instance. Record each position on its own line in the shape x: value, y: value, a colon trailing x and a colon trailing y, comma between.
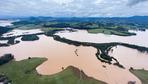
x: 29, y: 38
x: 4, y: 30
x: 6, y: 58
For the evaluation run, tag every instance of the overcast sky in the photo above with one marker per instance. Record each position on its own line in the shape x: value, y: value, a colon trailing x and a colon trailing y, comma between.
x: 74, y: 8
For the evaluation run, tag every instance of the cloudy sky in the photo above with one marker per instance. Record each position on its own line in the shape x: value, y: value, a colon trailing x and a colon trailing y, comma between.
x: 74, y: 8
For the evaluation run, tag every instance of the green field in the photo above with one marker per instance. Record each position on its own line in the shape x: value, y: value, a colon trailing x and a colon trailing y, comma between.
x: 91, y: 27
x: 110, y: 32
x: 23, y: 72
x: 51, y: 29
x: 142, y: 75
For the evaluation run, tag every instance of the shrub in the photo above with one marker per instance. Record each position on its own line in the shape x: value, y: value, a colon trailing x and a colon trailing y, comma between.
x: 29, y: 38
x: 6, y: 58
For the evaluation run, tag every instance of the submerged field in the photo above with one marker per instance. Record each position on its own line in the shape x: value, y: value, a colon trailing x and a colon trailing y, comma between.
x: 61, y: 54
x: 72, y: 55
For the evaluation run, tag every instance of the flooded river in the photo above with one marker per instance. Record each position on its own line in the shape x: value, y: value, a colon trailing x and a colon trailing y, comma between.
x: 126, y: 56
x: 63, y: 55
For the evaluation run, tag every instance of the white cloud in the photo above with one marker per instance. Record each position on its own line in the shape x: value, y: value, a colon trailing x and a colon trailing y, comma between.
x: 63, y: 1
x: 73, y: 7
x: 134, y: 2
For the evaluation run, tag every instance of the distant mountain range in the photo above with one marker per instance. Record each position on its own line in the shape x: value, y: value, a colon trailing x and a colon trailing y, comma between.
x: 121, y: 20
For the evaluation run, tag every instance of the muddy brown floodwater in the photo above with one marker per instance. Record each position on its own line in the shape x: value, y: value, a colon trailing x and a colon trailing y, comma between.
x: 130, y: 57
x: 63, y: 55
x: 140, y: 39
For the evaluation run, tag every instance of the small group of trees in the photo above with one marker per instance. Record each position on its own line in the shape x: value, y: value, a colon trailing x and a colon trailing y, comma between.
x: 12, y: 41
x: 4, y: 30
x: 29, y: 38
x: 4, y: 79
x: 6, y: 58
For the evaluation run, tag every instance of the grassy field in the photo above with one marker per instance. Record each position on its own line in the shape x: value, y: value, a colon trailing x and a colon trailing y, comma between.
x: 23, y: 72
x: 142, y: 75
x: 110, y: 32
x: 92, y: 27
x: 51, y: 29
x: 95, y: 31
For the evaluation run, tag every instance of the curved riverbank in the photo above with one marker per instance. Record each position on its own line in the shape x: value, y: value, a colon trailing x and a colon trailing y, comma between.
x: 86, y: 61
x: 19, y: 73
x: 83, y: 36
x: 130, y: 57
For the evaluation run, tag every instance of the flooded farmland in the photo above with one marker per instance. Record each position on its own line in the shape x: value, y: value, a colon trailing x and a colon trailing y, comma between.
x: 5, y: 23
x: 140, y: 39
x: 63, y: 55
x: 130, y: 57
